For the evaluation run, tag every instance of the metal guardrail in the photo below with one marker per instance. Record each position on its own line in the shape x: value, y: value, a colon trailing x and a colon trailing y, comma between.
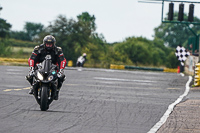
x: 144, y: 68
x: 197, y: 75
x: 112, y: 66
x: 117, y: 66
x: 14, y: 60
x: 25, y: 61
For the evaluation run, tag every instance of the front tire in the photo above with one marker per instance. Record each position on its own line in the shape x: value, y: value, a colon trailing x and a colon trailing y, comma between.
x: 44, y: 99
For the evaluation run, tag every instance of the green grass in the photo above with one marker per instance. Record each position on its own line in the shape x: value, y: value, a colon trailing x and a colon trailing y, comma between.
x: 20, y: 52
x: 22, y: 49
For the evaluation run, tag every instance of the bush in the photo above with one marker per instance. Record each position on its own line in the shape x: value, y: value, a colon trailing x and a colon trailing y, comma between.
x: 172, y: 61
x: 20, y: 43
x: 5, y: 49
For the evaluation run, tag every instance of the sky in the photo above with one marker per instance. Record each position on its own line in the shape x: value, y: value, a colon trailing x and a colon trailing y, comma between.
x: 115, y: 19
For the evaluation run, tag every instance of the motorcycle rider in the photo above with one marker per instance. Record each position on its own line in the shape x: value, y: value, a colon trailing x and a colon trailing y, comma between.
x: 81, y: 60
x: 38, y: 55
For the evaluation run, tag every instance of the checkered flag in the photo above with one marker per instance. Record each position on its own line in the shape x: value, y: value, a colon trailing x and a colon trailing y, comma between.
x: 181, y: 54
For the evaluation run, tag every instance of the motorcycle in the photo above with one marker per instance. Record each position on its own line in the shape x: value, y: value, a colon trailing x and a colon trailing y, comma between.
x: 45, y: 81
x: 80, y: 61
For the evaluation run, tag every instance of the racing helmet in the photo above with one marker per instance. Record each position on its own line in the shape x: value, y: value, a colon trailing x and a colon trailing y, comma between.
x: 49, y: 42
x: 84, y: 54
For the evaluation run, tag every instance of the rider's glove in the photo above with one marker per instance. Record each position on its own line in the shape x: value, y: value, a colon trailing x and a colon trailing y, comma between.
x: 31, y: 71
x: 60, y: 73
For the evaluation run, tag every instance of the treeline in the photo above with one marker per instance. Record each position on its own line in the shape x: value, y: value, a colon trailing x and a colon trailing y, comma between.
x: 77, y: 36
x: 141, y: 51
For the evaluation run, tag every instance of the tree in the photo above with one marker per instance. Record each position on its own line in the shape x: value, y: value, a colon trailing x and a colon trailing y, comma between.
x: 4, y: 34
x: 137, y: 49
x: 33, y: 29
x: 70, y: 35
x: 88, y: 20
x: 4, y: 28
x: 4, y: 47
x: 74, y: 36
x: 172, y: 61
x: 175, y: 34
x: 96, y: 50
x: 142, y: 51
x: 19, y: 35
x: 30, y: 33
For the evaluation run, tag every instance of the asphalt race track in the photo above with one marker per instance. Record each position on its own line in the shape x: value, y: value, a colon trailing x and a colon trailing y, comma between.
x: 91, y: 101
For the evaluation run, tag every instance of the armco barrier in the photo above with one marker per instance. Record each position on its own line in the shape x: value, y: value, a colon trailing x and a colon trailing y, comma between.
x: 143, y: 68
x: 25, y: 61
x: 112, y: 66
x: 70, y: 63
x: 170, y: 70
x: 197, y: 75
x: 117, y: 66
x: 14, y: 60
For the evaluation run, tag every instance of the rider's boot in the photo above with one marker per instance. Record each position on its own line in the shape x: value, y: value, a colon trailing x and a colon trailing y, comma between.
x: 58, y: 90
x: 31, y: 91
x: 30, y: 80
x: 60, y: 82
x: 57, y: 95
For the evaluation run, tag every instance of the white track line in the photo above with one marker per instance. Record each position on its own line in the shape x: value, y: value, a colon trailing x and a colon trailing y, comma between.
x: 125, y: 80
x: 163, y: 119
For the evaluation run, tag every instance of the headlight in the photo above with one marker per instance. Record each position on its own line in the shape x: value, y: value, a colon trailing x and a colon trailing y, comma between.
x: 50, y: 78
x: 39, y: 75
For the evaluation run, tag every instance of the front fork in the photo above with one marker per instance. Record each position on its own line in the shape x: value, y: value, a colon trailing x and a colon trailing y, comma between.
x: 37, y: 90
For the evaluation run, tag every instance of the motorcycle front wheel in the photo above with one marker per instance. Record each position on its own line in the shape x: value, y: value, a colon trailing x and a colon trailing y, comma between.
x: 44, y: 98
